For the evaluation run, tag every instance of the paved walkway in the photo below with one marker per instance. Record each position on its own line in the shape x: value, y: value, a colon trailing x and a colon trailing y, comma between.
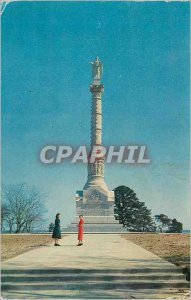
x: 107, y: 266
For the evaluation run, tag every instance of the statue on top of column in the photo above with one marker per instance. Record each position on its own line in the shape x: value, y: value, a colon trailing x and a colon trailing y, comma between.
x: 97, y: 69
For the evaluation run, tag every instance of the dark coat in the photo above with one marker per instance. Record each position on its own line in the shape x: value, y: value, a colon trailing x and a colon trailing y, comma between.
x: 56, y: 232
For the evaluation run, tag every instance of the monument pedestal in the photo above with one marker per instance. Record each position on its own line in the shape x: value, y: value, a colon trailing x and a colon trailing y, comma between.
x: 97, y: 224
x: 97, y: 207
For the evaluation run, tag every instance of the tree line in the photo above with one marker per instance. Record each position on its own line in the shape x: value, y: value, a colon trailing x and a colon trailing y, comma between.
x: 22, y: 208
x: 135, y: 216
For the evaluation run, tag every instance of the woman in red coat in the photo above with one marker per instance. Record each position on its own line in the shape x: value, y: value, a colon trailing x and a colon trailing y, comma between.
x: 80, y: 231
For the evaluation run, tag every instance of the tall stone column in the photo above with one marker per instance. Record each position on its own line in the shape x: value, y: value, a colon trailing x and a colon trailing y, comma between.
x: 96, y: 169
x: 96, y: 202
x: 96, y: 115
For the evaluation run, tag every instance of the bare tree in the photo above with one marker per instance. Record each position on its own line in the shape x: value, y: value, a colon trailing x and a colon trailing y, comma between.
x: 25, y: 206
x: 34, y: 209
x: 10, y: 221
x: 4, y: 213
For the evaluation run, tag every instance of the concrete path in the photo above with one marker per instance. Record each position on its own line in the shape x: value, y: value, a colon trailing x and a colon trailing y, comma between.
x: 106, y: 267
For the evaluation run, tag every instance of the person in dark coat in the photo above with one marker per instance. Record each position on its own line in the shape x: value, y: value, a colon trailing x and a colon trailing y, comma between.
x: 57, y: 232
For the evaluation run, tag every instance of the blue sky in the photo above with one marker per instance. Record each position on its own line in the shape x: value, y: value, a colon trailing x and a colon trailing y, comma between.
x: 46, y: 50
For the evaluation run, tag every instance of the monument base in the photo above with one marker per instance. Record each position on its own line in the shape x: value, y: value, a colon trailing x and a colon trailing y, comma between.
x: 97, y: 224
x: 97, y: 207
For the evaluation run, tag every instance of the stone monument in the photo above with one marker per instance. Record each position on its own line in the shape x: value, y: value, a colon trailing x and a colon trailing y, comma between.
x: 96, y: 202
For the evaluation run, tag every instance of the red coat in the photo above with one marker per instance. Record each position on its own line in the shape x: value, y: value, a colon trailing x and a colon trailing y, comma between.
x: 81, y: 230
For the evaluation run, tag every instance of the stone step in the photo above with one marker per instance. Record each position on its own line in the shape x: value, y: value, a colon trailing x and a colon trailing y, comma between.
x: 94, y: 285
x: 97, y: 220
x: 168, y: 270
x: 98, y: 294
x: 97, y: 224
x: 89, y: 279
x: 70, y: 277
x: 98, y: 228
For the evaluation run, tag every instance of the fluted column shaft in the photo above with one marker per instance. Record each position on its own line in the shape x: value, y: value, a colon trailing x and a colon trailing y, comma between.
x: 96, y: 114
x: 96, y: 169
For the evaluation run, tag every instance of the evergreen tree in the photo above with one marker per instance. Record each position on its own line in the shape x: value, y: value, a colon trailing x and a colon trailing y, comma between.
x: 144, y: 219
x: 130, y: 212
x: 175, y: 226
x: 124, y: 199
